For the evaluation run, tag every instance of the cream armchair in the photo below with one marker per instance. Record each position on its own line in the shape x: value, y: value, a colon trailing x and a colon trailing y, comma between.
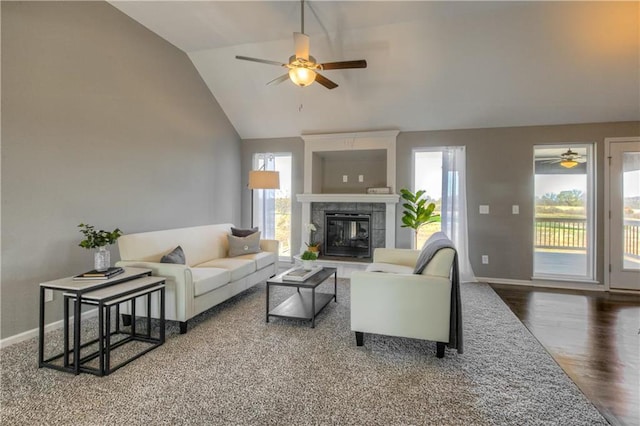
x: 400, y: 303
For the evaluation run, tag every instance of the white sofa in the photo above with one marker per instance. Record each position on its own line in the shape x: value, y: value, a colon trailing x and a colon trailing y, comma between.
x: 400, y: 303
x: 209, y: 276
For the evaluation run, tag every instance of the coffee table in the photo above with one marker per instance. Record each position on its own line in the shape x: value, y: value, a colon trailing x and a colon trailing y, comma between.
x: 304, y: 304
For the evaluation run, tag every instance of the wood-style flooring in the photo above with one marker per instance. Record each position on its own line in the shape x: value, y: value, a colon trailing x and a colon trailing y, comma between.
x: 593, y: 336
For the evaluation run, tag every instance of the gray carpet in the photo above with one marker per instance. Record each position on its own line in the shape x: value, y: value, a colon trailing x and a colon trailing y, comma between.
x: 233, y: 368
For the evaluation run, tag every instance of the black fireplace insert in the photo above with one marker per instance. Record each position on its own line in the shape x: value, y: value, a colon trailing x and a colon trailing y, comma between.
x: 347, y: 234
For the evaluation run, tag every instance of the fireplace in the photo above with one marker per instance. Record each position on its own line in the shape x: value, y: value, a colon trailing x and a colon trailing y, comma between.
x: 347, y: 234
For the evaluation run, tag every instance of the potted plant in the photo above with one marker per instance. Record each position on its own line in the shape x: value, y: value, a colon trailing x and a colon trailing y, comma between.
x: 417, y: 212
x: 99, y: 240
x: 308, y: 259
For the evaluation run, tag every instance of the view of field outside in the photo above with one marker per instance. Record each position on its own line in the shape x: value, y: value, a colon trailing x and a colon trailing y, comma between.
x: 561, y: 232
x: 428, y: 177
x: 272, y: 210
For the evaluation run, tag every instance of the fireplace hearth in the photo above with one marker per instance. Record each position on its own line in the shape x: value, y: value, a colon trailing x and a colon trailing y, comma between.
x: 347, y: 234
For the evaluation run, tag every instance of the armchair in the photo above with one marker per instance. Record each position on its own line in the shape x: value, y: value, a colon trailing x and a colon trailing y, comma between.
x: 390, y: 299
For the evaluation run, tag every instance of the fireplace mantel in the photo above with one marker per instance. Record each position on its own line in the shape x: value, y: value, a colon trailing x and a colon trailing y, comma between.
x: 348, y: 198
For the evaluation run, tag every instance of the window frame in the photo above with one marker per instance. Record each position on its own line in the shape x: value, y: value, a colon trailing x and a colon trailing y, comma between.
x: 590, y: 206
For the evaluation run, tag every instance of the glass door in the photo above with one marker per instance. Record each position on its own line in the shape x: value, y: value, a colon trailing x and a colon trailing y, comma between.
x: 624, y: 214
x: 564, y: 211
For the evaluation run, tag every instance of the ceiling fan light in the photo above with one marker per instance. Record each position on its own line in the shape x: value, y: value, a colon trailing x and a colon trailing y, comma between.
x: 302, y: 76
x: 569, y: 164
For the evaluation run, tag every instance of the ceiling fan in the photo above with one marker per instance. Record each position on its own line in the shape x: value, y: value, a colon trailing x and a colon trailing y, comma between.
x: 303, y: 68
x: 567, y: 159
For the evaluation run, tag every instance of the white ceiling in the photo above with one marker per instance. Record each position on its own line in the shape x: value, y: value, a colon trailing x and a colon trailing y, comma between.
x: 431, y: 65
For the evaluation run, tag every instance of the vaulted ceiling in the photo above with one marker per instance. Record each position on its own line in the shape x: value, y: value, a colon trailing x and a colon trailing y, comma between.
x: 431, y: 65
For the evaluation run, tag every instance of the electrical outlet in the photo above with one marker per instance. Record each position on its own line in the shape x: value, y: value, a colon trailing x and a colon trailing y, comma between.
x: 345, y: 178
x: 48, y: 295
x: 515, y: 209
x: 485, y: 259
x: 360, y: 178
x: 484, y: 209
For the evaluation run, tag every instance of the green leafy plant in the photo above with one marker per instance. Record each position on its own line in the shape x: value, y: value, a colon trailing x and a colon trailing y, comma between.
x: 94, y: 239
x: 309, y: 255
x: 417, y: 212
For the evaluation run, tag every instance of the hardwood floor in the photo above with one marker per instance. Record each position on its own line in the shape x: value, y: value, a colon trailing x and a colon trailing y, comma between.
x: 593, y: 336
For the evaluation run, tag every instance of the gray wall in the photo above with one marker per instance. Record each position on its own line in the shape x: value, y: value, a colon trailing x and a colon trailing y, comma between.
x: 500, y: 173
x: 295, y: 146
x: 374, y: 173
x: 103, y: 122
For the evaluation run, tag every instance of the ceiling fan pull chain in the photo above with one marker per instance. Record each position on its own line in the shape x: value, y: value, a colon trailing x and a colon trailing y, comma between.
x: 302, y: 16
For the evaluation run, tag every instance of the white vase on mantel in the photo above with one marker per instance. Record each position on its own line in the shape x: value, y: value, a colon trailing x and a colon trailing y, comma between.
x: 102, y: 259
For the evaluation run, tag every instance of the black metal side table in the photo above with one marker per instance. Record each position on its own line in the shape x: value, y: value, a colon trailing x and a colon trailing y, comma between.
x: 106, y: 299
x: 303, y: 304
x: 76, y: 289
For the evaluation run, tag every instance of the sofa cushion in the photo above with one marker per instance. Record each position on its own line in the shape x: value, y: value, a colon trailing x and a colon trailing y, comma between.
x: 199, y: 243
x: 262, y: 259
x: 244, y: 245
x: 239, y: 232
x: 238, y: 268
x: 175, y: 256
x: 209, y: 279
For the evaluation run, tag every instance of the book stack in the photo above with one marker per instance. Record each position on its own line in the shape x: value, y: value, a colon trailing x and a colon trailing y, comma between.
x: 100, y: 275
x: 299, y: 274
x: 379, y: 190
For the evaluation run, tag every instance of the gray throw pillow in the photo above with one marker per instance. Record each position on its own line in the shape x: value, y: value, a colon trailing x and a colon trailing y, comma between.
x: 176, y: 256
x: 244, y: 245
x: 239, y: 232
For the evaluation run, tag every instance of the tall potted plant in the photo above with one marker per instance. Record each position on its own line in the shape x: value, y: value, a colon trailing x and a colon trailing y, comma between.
x: 99, y: 240
x: 417, y: 212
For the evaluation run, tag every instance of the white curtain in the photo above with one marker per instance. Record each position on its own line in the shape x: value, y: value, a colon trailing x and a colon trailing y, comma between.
x: 454, y: 206
x: 264, y: 200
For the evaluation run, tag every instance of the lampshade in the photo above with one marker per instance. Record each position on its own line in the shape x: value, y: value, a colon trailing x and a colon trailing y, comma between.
x: 302, y: 76
x: 568, y: 163
x: 264, y: 179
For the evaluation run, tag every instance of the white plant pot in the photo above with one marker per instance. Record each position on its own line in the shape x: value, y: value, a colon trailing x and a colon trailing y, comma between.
x: 102, y: 259
x: 308, y: 265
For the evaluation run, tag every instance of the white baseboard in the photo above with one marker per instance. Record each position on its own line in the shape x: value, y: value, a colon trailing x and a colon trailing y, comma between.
x: 21, y: 337
x: 566, y: 285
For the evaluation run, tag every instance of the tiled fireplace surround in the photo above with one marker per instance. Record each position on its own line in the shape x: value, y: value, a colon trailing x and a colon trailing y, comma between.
x: 315, y: 202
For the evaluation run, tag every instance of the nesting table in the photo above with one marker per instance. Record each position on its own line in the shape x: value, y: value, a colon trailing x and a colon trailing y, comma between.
x: 104, y: 294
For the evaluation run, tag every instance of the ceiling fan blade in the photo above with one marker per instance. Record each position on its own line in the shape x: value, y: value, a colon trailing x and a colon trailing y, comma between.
x: 344, y: 65
x: 301, y: 43
x: 262, y: 61
x: 325, y: 81
x: 279, y: 79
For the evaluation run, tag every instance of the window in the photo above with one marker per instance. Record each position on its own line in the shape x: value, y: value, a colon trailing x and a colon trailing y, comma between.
x: 428, y: 177
x: 272, y: 207
x: 441, y: 172
x: 564, y: 212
